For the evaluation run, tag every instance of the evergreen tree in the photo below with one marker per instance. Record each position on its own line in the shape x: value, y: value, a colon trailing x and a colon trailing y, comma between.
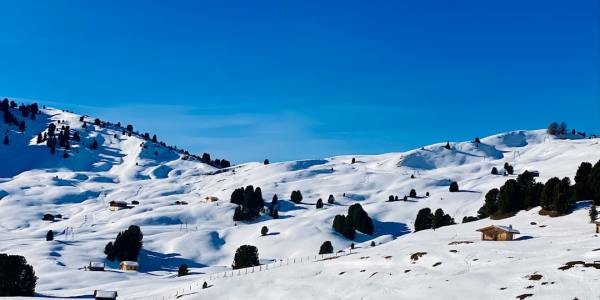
x: 494, y: 171
x: 22, y: 126
x: 205, y: 285
x: 129, y: 127
x: 562, y: 128
x: 17, y: 278
x: 548, y: 196
x: 510, y: 197
x: 490, y: 206
x: 266, y: 162
x: 440, y: 219
x: 447, y: 145
x: 581, y: 190
x: 360, y: 220
x: 594, y: 183
x: 296, y: 197
x: 183, y: 270
x: 127, y: 245
x: 245, y: 256
x: 326, y: 248
x: 319, y: 203
x: 330, y: 199
x: 154, y: 139
x: 593, y: 213
x: 343, y: 225
x: 413, y: 193
x: 39, y: 138
x: 94, y: 145
x: 424, y: 219
x: 453, y: 186
x: 50, y: 235
x: 6, y: 140
x: 264, y: 230
x: 353, y: 160
x: 552, y: 128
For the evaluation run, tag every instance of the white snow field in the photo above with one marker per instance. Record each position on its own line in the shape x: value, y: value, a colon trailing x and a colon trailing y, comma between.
x: 203, y: 236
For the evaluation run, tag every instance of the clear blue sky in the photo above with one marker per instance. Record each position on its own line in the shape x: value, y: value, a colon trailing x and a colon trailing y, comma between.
x: 248, y: 80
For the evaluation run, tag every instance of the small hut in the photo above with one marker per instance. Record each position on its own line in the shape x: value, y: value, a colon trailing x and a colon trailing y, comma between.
x: 127, y: 265
x: 597, y: 226
x: 117, y: 205
x: 211, y: 199
x: 96, y: 266
x: 105, y: 295
x: 498, y: 233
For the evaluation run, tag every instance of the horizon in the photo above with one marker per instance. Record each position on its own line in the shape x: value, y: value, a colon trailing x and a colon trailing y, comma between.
x: 286, y: 81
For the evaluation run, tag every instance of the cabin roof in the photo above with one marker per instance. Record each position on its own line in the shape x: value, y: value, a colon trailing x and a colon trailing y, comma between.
x: 96, y: 264
x: 105, y: 294
x: 500, y: 227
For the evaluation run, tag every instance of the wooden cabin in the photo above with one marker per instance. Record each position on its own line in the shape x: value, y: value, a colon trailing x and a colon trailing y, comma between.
x: 105, y: 295
x: 597, y: 226
x: 127, y: 265
x: 498, y: 233
x: 96, y: 266
x: 117, y: 205
x: 211, y: 199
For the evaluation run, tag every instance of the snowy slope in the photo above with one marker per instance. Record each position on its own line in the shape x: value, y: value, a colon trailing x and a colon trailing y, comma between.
x: 203, y: 235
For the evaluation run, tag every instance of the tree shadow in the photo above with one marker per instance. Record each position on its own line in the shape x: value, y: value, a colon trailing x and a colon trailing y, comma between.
x: 154, y: 261
x: 524, y: 238
x: 395, y: 229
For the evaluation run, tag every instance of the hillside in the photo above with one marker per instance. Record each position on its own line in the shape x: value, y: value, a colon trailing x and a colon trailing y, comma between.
x: 204, y: 236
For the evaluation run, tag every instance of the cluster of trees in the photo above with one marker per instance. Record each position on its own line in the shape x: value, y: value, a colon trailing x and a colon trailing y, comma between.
x: 557, y: 129
x: 274, y: 207
x: 217, y: 163
x: 427, y: 220
x: 556, y: 195
x: 250, y: 203
x: 357, y: 219
x: 508, y: 169
x: 17, y: 278
x: 245, y: 256
x: 127, y: 245
x: 296, y: 197
x: 319, y: 204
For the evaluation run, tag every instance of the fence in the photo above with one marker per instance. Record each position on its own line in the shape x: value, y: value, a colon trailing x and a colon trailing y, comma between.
x: 192, y: 287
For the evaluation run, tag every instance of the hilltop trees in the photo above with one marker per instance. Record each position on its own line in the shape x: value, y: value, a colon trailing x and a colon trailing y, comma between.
x: 245, y: 256
x: 17, y: 278
x: 326, y: 248
x: 557, y: 129
x: 250, y: 203
x: 127, y: 245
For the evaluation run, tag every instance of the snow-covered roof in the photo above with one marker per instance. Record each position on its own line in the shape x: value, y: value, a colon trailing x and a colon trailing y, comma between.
x: 96, y: 264
x: 130, y: 263
x: 503, y: 228
x: 105, y: 294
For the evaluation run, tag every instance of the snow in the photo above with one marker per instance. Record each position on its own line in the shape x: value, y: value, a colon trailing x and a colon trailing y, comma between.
x: 203, y: 236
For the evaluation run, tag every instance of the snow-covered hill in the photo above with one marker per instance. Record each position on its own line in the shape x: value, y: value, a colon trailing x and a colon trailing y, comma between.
x: 204, y: 236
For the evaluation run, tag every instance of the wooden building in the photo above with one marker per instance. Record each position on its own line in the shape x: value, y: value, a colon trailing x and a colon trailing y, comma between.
x: 127, y: 265
x: 105, y: 295
x: 117, y: 205
x: 498, y: 233
x: 96, y: 266
x: 211, y: 199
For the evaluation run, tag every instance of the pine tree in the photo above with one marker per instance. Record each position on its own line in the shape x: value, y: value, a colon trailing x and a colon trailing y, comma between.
x: 447, y: 146
x: 266, y: 162
x: 94, y: 145
x: 39, y: 138
x: 17, y: 278
x: 245, y: 256
x: 582, y: 189
x: 453, y: 186
x: 330, y: 199
x: 296, y: 197
x: 413, y: 193
x: 319, y: 203
x: 593, y: 213
x: 353, y: 160
x: 154, y: 139
x: 183, y: 270
x: 490, y: 206
x: 264, y: 230
x: 50, y: 235
x: 205, y: 285
x: 6, y: 140
x: 326, y: 248
x: 552, y: 128
x: 594, y: 183
x: 494, y: 171
x: 424, y: 219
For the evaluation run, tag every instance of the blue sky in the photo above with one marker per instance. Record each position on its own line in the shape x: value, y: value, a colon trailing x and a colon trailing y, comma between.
x: 248, y: 80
